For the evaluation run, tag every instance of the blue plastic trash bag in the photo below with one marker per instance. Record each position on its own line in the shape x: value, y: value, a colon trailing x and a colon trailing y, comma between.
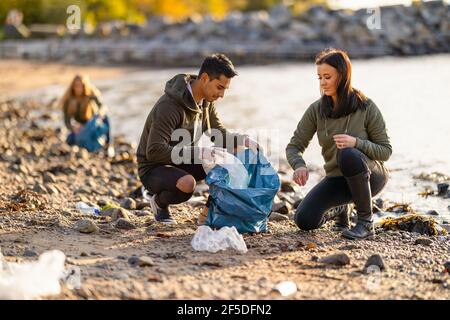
x: 93, y: 135
x: 246, y: 209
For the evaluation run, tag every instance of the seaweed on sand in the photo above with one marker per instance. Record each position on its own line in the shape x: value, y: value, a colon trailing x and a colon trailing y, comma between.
x: 414, y: 223
x: 26, y: 200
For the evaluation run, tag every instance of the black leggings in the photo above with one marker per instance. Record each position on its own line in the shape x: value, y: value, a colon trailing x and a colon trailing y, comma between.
x: 162, y: 181
x: 333, y: 191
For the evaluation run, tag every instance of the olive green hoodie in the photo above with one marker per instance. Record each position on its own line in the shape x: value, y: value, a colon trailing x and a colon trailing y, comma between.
x: 176, y: 109
x: 367, y: 126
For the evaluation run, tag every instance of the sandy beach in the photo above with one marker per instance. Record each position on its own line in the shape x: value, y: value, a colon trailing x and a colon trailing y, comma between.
x: 78, y: 225
x: 125, y: 254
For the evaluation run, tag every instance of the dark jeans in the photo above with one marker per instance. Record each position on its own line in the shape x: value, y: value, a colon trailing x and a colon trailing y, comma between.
x: 333, y: 191
x: 162, y: 181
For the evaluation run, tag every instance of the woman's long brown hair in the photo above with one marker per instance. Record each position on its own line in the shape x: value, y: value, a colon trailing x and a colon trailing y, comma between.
x: 349, y: 99
x: 89, y: 92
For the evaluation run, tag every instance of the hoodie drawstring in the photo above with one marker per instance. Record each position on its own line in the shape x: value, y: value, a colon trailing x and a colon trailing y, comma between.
x: 348, y: 121
x: 346, y: 126
x: 196, y: 126
x: 196, y: 123
x: 208, y: 124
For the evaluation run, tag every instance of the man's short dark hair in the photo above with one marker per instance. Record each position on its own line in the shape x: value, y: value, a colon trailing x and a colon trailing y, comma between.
x: 216, y: 65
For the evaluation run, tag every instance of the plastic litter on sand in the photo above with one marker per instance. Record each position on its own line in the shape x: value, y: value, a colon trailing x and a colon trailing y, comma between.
x: 206, y: 239
x: 286, y: 288
x: 31, y: 280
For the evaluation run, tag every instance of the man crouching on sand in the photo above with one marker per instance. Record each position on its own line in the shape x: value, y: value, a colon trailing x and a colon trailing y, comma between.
x: 169, y: 164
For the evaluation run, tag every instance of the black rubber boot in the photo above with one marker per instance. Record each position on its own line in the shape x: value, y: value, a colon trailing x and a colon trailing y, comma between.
x: 359, y: 186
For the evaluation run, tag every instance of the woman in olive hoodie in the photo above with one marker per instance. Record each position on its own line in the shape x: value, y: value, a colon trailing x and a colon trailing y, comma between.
x: 354, y: 140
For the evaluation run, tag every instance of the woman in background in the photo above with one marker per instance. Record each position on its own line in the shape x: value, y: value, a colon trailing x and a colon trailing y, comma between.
x: 81, y: 104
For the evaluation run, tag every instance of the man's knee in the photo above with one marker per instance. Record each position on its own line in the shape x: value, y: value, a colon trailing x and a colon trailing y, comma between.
x: 186, y: 184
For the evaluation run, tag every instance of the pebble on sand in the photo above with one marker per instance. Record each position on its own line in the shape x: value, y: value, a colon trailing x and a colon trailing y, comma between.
x: 423, y: 241
x: 145, y: 261
x: 338, y: 259
x: 124, y: 224
x: 275, y: 216
x: 120, y: 213
x: 374, y: 260
x: 86, y: 226
x: 282, y: 207
x: 128, y: 203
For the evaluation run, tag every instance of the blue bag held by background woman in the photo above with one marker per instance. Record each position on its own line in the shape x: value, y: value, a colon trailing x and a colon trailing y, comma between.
x: 94, y: 135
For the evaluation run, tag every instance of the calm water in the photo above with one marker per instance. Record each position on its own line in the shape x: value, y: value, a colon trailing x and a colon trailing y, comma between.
x: 413, y: 94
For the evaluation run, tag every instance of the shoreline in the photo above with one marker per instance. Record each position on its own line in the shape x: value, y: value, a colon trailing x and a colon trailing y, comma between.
x: 21, y: 76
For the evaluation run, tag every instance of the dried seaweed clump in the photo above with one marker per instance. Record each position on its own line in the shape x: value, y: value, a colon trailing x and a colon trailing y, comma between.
x: 414, y: 223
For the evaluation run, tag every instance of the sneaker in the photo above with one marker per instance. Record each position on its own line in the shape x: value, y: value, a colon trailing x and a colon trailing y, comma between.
x: 341, y: 217
x: 146, y: 194
x: 162, y: 215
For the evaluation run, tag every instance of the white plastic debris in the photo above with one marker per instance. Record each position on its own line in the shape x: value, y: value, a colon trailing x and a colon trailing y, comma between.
x: 31, y: 280
x: 206, y: 239
x: 239, y: 178
x: 379, y: 217
x: 286, y: 288
x: 87, y: 209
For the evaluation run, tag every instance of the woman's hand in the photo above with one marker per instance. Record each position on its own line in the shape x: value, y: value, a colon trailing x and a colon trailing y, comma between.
x: 344, y: 141
x: 301, y: 176
x: 77, y: 128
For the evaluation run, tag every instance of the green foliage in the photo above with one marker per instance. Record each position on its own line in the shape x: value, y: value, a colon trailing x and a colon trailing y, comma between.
x: 93, y: 11
x: 39, y: 11
x: 260, y: 4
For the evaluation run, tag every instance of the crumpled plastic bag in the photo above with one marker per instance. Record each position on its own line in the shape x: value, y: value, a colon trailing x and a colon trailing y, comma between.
x: 30, y: 280
x: 206, y: 239
x: 237, y: 173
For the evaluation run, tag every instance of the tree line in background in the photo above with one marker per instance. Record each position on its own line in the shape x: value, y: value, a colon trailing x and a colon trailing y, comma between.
x: 136, y: 11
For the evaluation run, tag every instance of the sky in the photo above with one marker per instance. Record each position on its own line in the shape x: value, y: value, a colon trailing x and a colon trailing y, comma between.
x: 357, y: 4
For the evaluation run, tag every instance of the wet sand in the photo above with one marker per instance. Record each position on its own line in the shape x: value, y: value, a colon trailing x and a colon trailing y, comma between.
x: 19, y: 76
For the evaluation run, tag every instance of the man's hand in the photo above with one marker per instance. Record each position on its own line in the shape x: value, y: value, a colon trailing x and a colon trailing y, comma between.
x: 301, y: 176
x: 252, y: 144
x: 212, y: 156
x: 102, y: 113
x: 209, y: 154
